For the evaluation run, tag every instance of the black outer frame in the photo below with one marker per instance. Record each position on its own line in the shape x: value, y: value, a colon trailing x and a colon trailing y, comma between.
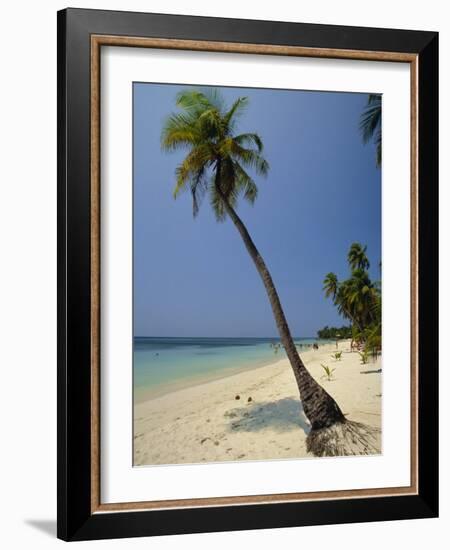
x: 75, y: 521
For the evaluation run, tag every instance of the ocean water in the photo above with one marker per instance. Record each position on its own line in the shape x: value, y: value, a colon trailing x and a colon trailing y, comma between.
x: 161, y: 365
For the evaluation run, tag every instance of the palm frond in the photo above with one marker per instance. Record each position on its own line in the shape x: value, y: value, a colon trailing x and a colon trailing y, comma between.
x: 196, y: 161
x: 245, y: 184
x: 249, y: 139
x: 179, y: 131
x: 371, y: 117
x: 378, y: 147
x: 214, y: 98
x: 199, y: 186
x: 196, y: 101
x: 227, y: 178
x: 250, y: 158
x: 211, y: 124
x: 218, y: 205
x: 236, y: 110
x: 370, y: 124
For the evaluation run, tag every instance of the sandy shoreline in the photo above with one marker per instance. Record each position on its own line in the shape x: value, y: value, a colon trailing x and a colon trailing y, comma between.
x: 193, y: 381
x: 206, y: 423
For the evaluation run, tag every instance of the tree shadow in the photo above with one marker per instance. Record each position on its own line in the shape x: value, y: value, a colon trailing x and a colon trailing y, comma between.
x: 284, y: 415
x: 47, y: 526
x: 374, y: 371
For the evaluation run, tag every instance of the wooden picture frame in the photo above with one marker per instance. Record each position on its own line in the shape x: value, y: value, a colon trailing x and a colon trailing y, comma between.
x: 81, y: 35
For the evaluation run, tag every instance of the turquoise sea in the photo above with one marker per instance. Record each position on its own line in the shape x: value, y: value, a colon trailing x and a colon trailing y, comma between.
x: 161, y: 365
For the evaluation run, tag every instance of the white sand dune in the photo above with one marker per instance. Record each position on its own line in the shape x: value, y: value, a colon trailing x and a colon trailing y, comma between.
x: 207, y: 423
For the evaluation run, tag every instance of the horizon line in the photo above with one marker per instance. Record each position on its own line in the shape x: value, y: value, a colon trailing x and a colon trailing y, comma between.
x: 267, y: 337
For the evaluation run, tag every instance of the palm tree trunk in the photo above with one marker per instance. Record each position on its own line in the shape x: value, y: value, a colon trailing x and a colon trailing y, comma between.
x: 320, y: 408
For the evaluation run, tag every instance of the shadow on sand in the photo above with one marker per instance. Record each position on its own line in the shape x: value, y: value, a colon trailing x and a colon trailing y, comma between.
x: 374, y: 371
x: 284, y: 415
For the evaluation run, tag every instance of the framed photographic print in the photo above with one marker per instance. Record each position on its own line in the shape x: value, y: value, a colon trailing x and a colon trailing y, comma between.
x: 247, y: 274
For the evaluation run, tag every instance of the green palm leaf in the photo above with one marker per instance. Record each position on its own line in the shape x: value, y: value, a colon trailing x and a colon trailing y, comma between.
x: 370, y: 123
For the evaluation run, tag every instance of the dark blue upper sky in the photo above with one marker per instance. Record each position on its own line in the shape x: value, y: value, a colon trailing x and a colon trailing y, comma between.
x: 193, y: 277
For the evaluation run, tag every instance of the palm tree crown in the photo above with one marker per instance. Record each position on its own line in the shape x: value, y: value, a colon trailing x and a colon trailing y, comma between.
x: 331, y: 285
x: 218, y: 157
x: 357, y: 257
x: 360, y: 296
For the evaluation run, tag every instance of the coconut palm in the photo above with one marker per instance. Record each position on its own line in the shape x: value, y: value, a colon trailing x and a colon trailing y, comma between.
x: 331, y: 285
x: 356, y: 297
x: 342, y: 302
x: 339, y: 292
x: 216, y: 164
x: 357, y: 258
x: 336, y: 291
x: 370, y: 123
x: 361, y: 295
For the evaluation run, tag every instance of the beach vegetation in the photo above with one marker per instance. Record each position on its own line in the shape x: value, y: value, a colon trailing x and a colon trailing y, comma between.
x: 364, y: 356
x: 328, y: 372
x: 337, y: 356
x: 335, y: 333
x: 358, y: 300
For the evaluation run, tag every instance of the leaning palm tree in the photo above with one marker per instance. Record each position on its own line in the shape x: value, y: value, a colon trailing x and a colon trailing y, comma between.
x: 357, y: 258
x: 370, y: 123
x: 216, y: 164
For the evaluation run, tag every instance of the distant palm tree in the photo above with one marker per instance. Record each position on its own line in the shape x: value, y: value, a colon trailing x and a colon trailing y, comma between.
x: 357, y: 258
x: 355, y: 297
x: 331, y: 285
x: 370, y: 123
x: 216, y: 164
x: 342, y: 302
x: 361, y: 297
x: 339, y: 293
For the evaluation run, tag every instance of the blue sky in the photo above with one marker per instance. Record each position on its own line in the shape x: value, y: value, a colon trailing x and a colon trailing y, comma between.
x: 193, y: 277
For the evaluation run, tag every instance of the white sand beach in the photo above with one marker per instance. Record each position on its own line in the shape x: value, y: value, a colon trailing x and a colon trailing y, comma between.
x: 207, y: 423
